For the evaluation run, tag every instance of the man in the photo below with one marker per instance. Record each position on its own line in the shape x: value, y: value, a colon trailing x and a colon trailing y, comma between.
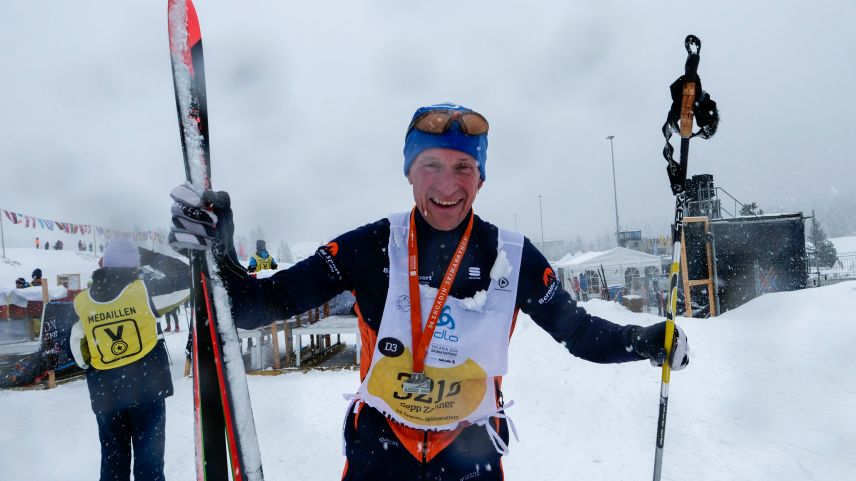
x: 437, y: 293
x: 172, y: 316
x: 261, y: 260
x: 584, y: 288
x: 118, y: 342
x: 36, y: 277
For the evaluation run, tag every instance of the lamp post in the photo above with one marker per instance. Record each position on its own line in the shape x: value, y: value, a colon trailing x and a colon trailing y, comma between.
x: 541, y: 211
x: 614, y: 190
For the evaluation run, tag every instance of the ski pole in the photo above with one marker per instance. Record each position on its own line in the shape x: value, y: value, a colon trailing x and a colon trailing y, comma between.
x: 689, y: 102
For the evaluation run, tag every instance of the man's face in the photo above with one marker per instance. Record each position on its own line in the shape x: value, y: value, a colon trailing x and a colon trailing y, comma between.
x: 445, y: 183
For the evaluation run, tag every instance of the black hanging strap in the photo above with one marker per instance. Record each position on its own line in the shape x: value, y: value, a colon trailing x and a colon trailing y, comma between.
x: 704, y: 112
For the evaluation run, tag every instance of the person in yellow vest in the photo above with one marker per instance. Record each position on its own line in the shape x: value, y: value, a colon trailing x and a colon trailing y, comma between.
x: 118, y: 341
x: 261, y: 260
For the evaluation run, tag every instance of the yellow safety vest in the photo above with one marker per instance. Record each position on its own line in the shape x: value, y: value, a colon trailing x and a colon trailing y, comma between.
x: 262, y: 264
x: 120, y: 331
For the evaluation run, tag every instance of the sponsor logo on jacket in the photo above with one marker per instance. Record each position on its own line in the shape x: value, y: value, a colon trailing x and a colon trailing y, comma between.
x: 551, y: 283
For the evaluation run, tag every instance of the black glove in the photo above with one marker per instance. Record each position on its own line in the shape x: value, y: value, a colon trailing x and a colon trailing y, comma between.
x: 273, y: 265
x: 648, y: 343
x: 202, y: 221
x: 195, y: 217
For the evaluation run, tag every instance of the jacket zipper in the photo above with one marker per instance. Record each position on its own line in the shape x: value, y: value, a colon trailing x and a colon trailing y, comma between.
x: 424, y: 455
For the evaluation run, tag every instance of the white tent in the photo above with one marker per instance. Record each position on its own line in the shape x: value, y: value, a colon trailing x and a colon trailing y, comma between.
x: 620, y: 265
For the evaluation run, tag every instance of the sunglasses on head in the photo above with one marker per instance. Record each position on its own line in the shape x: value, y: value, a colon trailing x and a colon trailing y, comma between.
x: 440, y: 121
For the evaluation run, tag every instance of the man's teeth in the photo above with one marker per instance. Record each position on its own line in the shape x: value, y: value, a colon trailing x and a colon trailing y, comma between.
x: 445, y: 202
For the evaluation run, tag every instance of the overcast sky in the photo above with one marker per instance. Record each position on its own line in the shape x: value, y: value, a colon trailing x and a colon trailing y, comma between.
x: 309, y: 101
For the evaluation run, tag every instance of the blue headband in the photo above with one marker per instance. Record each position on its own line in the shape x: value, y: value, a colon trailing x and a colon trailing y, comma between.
x: 417, y: 141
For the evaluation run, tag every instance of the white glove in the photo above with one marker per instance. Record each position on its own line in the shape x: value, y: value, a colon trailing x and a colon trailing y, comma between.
x: 79, y: 347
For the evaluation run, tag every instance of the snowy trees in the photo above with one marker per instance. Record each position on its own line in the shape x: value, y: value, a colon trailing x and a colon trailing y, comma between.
x: 284, y: 253
x: 819, y: 248
x: 751, y: 209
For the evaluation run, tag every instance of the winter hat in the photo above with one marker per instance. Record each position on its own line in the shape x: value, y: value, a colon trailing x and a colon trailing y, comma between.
x: 260, y: 245
x: 416, y: 141
x: 121, y: 253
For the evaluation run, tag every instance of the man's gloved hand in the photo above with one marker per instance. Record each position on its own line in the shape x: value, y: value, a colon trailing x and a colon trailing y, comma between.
x: 203, y: 220
x: 648, y: 342
x: 194, y: 217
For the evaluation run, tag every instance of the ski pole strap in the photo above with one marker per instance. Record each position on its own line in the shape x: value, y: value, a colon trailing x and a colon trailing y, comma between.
x: 687, y: 93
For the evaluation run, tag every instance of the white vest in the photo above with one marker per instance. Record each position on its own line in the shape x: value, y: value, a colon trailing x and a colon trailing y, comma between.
x: 469, y: 347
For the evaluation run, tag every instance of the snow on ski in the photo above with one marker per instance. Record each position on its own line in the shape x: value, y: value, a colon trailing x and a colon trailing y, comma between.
x: 221, y: 395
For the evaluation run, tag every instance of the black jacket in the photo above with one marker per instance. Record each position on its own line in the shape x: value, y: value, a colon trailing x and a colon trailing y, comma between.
x: 359, y: 263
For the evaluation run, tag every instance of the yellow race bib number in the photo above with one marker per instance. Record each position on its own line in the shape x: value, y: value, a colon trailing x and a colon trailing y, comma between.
x: 455, y: 391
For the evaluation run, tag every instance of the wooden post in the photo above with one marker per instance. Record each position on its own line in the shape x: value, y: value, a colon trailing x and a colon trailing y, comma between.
x: 45, y: 300
x: 685, y: 276
x: 37, y: 326
x: 711, y: 287
x: 274, y: 339
x: 326, y: 309
x: 690, y: 283
x: 186, y: 367
x: 289, y: 349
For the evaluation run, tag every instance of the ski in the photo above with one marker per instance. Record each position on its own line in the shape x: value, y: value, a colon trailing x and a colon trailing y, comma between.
x: 224, y: 430
x: 689, y: 102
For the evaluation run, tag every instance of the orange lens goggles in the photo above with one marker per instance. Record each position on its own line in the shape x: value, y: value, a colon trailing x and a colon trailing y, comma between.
x: 440, y: 121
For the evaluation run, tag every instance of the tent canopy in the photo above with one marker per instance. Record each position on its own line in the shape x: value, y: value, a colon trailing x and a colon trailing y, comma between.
x: 615, y: 263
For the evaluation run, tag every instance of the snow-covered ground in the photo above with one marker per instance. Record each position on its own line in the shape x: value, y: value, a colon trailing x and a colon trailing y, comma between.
x: 769, y: 394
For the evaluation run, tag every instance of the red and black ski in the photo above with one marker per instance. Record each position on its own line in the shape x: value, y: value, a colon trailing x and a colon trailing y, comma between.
x: 225, y: 432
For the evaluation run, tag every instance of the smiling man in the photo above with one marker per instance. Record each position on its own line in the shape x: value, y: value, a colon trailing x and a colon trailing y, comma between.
x: 437, y: 292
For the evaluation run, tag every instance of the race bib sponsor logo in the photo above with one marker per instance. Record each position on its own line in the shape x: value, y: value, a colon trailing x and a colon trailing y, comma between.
x: 446, y: 326
x: 403, y: 303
